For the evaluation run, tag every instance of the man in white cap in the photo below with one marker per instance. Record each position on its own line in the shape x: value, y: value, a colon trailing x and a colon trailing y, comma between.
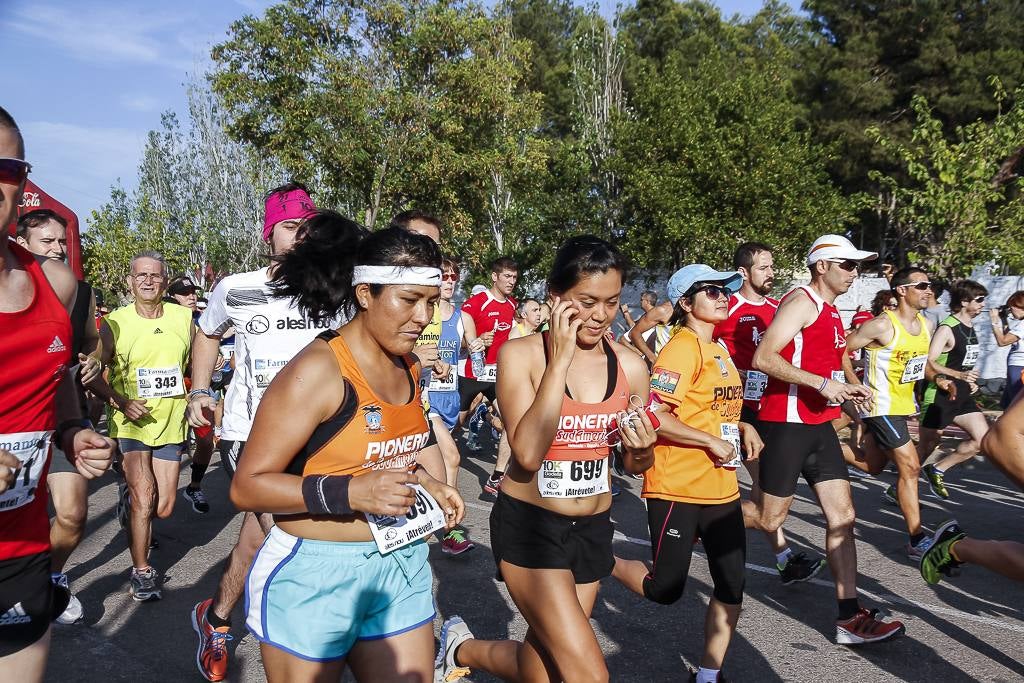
x: 802, y: 353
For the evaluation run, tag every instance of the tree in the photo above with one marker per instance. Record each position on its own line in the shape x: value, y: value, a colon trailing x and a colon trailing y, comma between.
x: 956, y: 204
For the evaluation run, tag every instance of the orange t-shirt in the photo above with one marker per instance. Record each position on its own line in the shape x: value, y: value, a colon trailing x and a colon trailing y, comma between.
x: 700, y: 385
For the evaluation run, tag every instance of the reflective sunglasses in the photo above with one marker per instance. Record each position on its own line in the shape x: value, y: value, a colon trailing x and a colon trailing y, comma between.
x: 713, y: 292
x: 13, y: 171
x: 920, y: 285
x: 978, y: 299
x: 847, y: 265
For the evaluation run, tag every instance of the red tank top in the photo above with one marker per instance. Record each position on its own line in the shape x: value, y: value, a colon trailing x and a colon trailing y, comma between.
x: 740, y: 334
x: 35, y: 346
x: 818, y: 349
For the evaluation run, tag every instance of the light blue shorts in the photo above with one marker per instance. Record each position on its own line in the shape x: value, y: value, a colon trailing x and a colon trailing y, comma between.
x: 315, y: 599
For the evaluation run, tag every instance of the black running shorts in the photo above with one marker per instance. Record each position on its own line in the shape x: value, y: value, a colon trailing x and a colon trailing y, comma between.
x: 943, y: 411
x: 529, y: 536
x: 890, y: 431
x: 791, y: 450
x: 26, y: 601
x: 469, y: 388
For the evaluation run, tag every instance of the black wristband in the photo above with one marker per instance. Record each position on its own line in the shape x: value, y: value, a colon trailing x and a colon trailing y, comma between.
x: 326, y: 494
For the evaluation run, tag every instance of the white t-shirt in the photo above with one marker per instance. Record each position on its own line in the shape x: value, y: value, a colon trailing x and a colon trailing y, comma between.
x: 269, y: 332
x: 1016, y: 356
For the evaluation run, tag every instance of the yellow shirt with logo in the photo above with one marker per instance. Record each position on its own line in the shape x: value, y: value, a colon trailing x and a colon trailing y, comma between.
x: 149, y: 362
x: 891, y: 370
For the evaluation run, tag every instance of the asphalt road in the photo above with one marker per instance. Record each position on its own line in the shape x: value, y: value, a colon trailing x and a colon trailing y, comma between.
x: 969, y: 629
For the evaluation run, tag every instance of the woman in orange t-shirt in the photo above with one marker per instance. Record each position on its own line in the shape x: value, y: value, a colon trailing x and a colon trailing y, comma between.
x: 690, y: 487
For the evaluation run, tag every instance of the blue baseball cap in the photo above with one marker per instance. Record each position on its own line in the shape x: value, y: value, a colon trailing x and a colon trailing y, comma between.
x: 685, y: 278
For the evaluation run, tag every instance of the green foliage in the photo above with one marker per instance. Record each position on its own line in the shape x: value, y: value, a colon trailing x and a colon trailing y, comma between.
x: 960, y: 206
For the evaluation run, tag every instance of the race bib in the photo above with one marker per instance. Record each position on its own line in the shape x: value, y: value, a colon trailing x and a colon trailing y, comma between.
x: 754, y: 386
x: 573, y: 478
x: 449, y: 383
x: 837, y: 376
x: 914, y: 370
x: 160, y: 382
x: 264, y: 370
x: 971, y: 355
x: 490, y: 373
x: 424, y: 518
x: 731, y: 433
x: 32, y: 449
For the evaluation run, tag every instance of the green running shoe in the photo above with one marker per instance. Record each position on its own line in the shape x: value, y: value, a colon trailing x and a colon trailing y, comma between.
x: 938, y: 559
x: 936, y: 482
x: 889, y: 494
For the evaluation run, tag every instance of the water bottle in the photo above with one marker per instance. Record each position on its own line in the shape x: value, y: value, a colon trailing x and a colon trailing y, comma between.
x: 477, y: 358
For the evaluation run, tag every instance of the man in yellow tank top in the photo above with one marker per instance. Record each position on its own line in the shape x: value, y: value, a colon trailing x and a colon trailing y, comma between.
x: 895, y: 357
x: 146, y: 345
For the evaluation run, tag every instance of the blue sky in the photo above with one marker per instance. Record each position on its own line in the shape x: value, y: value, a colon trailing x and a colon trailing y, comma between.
x: 97, y: 75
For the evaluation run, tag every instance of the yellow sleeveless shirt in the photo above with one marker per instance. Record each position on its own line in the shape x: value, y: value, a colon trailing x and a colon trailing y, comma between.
x: 892, y: 370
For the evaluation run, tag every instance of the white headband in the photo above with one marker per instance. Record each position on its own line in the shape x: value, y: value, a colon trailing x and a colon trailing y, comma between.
x: 396, y: 275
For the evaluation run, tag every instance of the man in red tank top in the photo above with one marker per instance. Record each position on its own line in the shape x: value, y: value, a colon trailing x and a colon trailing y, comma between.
x: 38, y: 405
x: 802, y: 353
x: 750, y: 312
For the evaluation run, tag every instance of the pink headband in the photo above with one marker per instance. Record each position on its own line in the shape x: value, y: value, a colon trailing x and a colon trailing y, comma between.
x: 285, y: 206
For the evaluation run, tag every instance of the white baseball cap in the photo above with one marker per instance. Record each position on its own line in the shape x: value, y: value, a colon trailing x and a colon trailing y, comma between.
x: 837, y: 248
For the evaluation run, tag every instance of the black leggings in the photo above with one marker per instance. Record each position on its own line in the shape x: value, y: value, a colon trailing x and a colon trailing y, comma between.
x: 674, y: 526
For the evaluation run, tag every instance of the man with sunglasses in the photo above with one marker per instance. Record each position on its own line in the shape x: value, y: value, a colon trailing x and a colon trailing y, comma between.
x: 750, y: 312
x: 895, y: 357
x: 948, y: 398
x: 146, y: 345
x: 38, y: 408
x: 804, y: 353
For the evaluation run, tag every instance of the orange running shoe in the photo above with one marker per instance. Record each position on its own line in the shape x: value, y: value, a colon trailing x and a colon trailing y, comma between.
x: 212, y: 653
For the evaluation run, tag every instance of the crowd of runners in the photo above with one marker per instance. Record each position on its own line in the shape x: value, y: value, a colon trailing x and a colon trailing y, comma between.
x: 334, y: 383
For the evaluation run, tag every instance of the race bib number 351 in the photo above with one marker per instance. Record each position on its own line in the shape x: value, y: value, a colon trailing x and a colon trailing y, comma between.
x: 32, y: 449
x: 160, y: 382
x: 573, y: 478
x: 424, y: 518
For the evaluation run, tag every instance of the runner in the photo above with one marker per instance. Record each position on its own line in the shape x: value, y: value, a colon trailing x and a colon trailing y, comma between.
x: 182, y: 291
x: 44, y: 233
x: 1008, y: 328
x: 750, y: 312
x: 654, y: 318
x: 339, y: 452
x: 951, y: 547
x: 489, y: 316
x: 527, y: 318
x: 802, y: 353
x: 551, y: 530
x: 691, y: 489
x: 268, y: 331
x: 947, y: 398
x: 895, y: 357
x: 146, y: 345
x: 38, y: 406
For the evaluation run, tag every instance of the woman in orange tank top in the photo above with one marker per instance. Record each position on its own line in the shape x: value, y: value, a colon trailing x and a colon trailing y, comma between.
x: 340, y: 452
x: 550, y: 528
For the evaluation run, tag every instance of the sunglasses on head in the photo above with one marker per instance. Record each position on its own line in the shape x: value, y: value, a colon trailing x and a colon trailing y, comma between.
x: 449, y: 277
x: 847, y: 265
x: 713, y: 292
x: 13, y: 171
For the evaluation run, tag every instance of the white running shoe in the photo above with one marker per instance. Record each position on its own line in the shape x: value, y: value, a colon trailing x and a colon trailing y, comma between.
x: 74, y: 612
x: 454, y: 632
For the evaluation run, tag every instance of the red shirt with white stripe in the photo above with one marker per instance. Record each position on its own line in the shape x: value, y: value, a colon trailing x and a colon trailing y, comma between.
x: 35, y: 344
x: 742, y: 331
x: 818, y: 349
x: 490, y: 314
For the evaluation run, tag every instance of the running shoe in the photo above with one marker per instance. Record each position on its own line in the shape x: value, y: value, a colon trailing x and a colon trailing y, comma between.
x: 799, y: 567
x: 936, y: 482
x: 212, y: 653
x: 859, y: 474
x: 492, y: 486
x: 889, y: 494
x: 720, y: 678
x: 938, y: 560
x: 865, y: 627
x: 916, y: 552
x: 454, y: 632
x: 456, y: 543
x: 74, y: 612
x: 197, y: 498
x: 143, y: 585
x: 473, y: 443
x: 124, y: 503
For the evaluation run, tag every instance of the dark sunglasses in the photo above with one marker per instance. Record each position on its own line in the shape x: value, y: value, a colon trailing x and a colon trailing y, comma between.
x: 450, y: 277
x: 13, y: 171
x: 713, y: 292
x: 920, y: 285
x: 848, y: 266
x: 978, y: 299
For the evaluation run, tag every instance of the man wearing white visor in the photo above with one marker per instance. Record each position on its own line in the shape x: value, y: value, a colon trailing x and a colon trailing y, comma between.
x: 802, y: 353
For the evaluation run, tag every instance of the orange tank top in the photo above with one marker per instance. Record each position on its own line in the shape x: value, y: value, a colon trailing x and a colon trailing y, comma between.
x: 366, y: 433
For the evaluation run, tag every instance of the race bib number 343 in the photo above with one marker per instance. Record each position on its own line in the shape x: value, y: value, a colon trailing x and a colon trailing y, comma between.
x: 160, y: 382
x: 573, y: 478
x: 424, y: 518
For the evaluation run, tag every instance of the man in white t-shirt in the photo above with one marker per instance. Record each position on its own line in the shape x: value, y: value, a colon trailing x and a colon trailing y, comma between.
x: 269, y: 331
